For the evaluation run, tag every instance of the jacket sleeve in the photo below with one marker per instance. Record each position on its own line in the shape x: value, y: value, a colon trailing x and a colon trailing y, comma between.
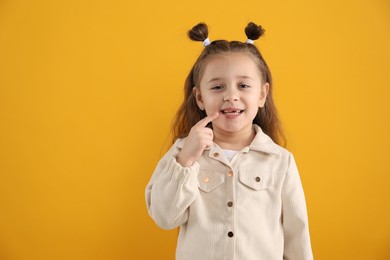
x: 171, y: 190
x: 297, y: 244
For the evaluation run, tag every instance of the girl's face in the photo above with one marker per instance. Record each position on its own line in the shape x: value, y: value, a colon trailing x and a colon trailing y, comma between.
x: 231, y: 85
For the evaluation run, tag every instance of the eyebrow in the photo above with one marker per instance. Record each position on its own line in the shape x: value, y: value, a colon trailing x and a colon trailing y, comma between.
x: 241, y: 77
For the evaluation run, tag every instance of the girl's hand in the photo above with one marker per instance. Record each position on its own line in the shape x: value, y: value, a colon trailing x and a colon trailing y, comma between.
x: 198, y: 139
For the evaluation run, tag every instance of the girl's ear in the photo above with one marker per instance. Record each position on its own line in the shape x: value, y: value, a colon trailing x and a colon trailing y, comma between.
x: 263, y: 94
x: 198, y: 97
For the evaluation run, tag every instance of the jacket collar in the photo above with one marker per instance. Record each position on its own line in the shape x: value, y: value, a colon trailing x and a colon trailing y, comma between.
x: 261, y: 143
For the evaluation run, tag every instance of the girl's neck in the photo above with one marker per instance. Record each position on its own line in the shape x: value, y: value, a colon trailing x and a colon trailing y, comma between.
x: 234, y: 141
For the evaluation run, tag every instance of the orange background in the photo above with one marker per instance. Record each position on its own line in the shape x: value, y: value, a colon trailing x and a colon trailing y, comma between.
x: 88, y: 90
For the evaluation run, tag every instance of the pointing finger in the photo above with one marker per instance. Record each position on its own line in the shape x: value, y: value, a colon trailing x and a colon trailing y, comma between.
x: 207, y: 119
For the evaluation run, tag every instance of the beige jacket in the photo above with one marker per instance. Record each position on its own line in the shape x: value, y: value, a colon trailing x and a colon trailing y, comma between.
x: 252, y: 208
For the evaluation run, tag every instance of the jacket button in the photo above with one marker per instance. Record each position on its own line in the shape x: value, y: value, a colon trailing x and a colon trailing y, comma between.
x: 206, y: 179
x: 230, y: 234
x: 258, y: 179
x: 230, y: 204
x: 230, y: 173
x: 216, y: 154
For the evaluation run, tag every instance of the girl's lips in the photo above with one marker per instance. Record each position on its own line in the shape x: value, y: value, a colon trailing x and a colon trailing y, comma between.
x: 231, y: 113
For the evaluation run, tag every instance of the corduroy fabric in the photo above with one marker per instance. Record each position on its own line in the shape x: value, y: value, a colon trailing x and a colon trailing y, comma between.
x: 258, y: 212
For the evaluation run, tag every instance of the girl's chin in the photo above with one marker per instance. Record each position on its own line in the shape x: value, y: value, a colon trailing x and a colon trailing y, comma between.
x: 231, y: 128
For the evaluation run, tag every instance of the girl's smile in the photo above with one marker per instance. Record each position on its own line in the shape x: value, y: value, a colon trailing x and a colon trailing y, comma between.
x: 231, y: 112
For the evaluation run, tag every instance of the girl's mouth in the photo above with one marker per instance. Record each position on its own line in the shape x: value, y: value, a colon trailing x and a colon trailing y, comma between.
x: 231, y: 112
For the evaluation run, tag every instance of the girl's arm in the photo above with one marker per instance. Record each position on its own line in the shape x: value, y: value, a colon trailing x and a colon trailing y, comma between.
x: 174, y: 184
x: 171, y: 190
x: 297, y: 244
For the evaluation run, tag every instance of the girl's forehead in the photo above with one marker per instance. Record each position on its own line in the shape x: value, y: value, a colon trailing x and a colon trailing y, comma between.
x: 229, y: 64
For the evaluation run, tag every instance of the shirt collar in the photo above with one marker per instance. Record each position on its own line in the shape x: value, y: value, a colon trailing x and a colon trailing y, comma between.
x: 263, y: 143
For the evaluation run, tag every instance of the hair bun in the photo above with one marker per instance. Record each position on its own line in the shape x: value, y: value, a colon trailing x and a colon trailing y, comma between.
x: 254, y: 31
x: 199, y: 32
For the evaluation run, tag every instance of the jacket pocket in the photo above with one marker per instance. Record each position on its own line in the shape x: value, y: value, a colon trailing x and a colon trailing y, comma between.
x: 256, y: 180
x: 210, y: 180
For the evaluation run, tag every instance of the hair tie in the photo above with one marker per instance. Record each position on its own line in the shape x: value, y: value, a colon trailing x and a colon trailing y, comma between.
x: 250, y: 41
x: 206, y: 42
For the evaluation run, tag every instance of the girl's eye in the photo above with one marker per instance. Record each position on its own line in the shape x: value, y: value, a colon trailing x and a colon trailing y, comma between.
x: 244, y: 86
x: 218, y: 87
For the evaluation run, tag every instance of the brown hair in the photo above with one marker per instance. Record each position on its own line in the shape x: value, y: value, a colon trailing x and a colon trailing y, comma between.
x: 189, y: 113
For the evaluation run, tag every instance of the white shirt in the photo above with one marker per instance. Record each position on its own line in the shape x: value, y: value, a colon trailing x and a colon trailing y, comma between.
x: 229, y: 154
x: 250, y: 208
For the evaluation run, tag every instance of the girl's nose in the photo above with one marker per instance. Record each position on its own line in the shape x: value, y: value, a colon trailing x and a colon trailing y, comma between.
x: 231, y: 95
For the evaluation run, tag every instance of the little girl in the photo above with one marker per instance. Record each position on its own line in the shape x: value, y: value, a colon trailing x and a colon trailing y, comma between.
x: 226, y: 182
